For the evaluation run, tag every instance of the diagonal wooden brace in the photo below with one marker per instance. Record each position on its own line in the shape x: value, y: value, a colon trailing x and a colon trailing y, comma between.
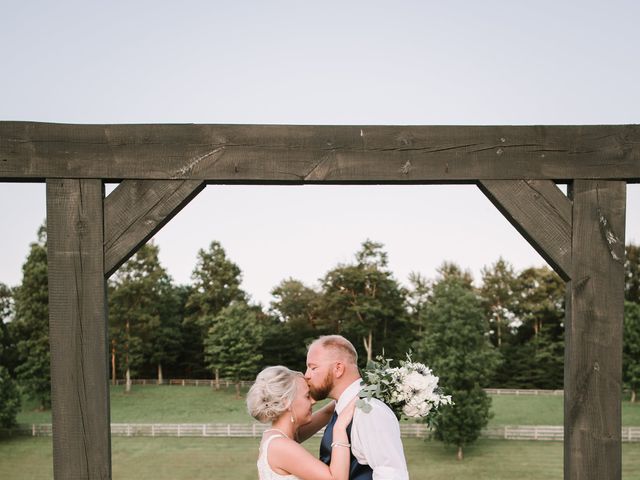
x: 136, y: 210
x: 540, y: 212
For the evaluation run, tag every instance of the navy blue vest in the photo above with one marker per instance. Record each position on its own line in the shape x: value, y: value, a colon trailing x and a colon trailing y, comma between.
x: 357, y: 471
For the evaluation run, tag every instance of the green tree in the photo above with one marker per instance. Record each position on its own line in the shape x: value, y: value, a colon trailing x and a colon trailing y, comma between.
x: 533, y: 357
x: 450, y: 270
x: 8, y: 350
x: 631, y: 348
x: 144, y: 314
x: 418, y: 298
x: 498, y: 294
x: 541, y: 294
x: 9, y: 394
x: 455, y: 346
x: 296, y: 320
x: 632, y: 273
x: 6, y: 302
x: 31, y: 324
x: 216, y: 284
x: 233, y: 344
x: 9, y: 399
x: 364, y: 301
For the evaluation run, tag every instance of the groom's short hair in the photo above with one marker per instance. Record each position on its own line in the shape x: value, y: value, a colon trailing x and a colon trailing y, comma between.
x: 340, y: 345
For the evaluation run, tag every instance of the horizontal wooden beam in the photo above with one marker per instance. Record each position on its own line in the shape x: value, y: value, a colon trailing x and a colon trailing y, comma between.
x: 318, y: 154
x: 541, y: 213
x: 136, y: 210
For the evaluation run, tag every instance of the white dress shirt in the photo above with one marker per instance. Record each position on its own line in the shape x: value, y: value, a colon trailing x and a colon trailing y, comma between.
x: 375, y: 437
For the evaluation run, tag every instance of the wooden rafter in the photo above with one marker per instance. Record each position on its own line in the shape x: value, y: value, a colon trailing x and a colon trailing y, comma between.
x: 318, y: 154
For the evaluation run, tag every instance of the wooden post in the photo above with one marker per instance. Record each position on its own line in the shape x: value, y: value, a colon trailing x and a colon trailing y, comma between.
x: 78, y: 330
x: 593, y: 332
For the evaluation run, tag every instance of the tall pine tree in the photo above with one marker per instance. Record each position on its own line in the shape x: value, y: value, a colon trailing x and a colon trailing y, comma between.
x: 145, y: 327
x: 365, y: 303
x: 32, y: 324
x: 234, y: 342
x: 455, y: 346
x: 216, y: 284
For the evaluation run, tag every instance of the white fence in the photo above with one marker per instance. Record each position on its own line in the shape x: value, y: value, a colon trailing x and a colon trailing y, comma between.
x: 226, y: 383
x: 515, y: 391
x: 186, y: 382
x: 415, y: 430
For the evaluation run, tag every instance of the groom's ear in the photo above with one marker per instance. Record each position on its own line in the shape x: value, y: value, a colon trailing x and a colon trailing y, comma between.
x: 339, y: 369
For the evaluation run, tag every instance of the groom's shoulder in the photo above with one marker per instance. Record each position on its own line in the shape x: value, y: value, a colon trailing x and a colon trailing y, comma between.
x: 380, y: 409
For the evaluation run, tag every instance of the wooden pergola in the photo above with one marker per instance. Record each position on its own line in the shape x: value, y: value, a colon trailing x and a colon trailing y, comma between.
x: 162, y: 167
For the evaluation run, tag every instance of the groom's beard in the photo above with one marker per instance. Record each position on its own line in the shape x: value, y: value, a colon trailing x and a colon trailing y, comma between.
x: 322, y: 391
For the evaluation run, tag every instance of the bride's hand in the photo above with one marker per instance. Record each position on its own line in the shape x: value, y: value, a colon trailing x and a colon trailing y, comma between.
x: 346, y: 415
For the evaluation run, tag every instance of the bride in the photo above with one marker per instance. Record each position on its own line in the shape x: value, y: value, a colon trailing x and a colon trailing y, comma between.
x: 281, y: 396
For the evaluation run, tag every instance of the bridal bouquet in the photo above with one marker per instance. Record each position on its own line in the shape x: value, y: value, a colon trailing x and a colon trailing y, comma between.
x: 410, y: 389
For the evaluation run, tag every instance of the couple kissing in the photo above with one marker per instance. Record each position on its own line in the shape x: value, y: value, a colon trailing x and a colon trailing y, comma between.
x: 356, y: 445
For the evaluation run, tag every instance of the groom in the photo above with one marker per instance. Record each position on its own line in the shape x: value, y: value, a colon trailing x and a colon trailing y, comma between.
x: 376, y: 448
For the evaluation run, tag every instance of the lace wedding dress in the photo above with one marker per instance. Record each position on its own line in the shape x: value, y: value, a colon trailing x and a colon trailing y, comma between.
x: 264, y: 470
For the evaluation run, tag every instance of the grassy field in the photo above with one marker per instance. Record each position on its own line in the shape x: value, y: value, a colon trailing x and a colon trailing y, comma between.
x: 207, y: 458
x: 174, y: 404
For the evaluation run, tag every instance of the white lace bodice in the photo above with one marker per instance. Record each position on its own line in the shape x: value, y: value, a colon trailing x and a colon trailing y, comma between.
x: 264, y: 470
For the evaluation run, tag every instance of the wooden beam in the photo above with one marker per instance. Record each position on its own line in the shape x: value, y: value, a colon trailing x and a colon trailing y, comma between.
x: 78, y: 330
x: 318, y: 154
x: 593, y: 332
x: 540, y: 212
x: 136, y: 210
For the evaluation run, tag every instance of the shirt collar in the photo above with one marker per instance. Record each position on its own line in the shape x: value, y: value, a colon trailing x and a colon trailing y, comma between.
x: 349, y: 394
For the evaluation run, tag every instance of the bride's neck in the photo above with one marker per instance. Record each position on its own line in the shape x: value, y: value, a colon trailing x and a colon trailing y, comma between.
x: 285, y: 425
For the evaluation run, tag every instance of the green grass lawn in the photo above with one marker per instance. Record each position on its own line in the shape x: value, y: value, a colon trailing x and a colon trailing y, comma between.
x: 163, y: 404
x: 234, y: 458
x: 206, y: 458
x: 545, y: 410
x: 175, y: 404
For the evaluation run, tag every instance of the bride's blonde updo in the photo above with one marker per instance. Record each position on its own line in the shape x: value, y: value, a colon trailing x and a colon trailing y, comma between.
x: 272, y: 393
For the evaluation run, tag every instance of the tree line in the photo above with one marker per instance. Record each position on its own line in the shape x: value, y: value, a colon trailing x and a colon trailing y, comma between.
x: 506, y: 331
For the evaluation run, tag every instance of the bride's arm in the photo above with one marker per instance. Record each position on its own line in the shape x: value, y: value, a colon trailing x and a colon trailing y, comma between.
x: 295, y: 459
x: 319, y: 419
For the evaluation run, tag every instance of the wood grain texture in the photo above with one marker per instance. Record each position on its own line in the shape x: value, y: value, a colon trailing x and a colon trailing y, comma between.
x: 318, y: 154
x: 593, y: 332
x: 78, y: 330
x: 540, y: 212
x: 136, y: 210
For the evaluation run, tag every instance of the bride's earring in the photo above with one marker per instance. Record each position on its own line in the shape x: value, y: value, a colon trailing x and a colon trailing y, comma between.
x: 293, y: 419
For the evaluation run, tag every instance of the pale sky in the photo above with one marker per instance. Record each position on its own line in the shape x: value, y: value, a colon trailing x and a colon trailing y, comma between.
x: 330, y: 62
